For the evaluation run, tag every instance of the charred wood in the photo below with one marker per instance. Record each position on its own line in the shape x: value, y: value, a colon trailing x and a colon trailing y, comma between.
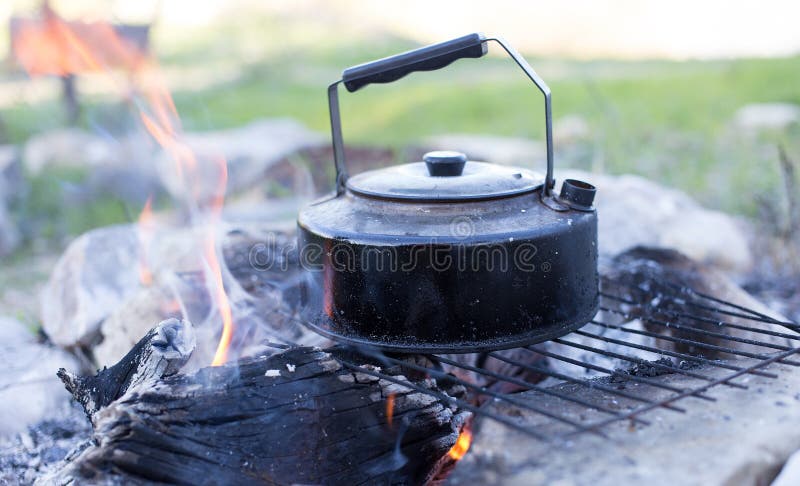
x: 161, y: 353
x: 300, y: 416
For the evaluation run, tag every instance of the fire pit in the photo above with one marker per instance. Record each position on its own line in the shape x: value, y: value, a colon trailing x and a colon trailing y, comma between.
x: 422, y: 360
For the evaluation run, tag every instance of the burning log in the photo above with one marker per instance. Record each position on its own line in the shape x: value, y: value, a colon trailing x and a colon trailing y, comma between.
x: 300, y: 416
x: 161, y: 353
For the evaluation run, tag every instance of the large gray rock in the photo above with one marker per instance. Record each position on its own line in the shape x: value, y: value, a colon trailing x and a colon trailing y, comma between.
x: 127, y: 167
x: 249, y: 151
x: 634, y: 211
x: 95, y: 296
x: 29, y: 389
x: 67, y: 147
x: 96, y: 273
x: 102, y: 270
x: 260, y: 298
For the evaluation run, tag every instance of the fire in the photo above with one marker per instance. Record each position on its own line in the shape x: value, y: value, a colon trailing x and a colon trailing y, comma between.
x: 144, y: 229
x: 53, y: 46
x: 221, y: 355
x: 390, y: 409
x: 461, y: 447
x: 221, y: 298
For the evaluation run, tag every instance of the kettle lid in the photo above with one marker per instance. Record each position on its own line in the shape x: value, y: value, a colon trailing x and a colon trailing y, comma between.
x: 445, y: 176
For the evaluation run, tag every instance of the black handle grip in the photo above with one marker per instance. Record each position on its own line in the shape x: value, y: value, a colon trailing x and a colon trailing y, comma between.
x: 427, y: 58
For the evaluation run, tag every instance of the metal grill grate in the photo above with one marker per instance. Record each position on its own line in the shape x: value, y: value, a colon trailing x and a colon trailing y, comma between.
x: 695, y: 329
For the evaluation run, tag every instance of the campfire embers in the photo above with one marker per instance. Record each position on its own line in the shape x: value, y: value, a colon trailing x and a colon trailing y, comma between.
x: 461, y: 446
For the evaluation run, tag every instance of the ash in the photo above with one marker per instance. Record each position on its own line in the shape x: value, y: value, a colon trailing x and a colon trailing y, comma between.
x: 659, y: 367
x: 25, y: 457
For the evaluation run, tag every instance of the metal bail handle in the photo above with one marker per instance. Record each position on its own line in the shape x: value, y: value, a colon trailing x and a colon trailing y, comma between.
x: 427, y: 58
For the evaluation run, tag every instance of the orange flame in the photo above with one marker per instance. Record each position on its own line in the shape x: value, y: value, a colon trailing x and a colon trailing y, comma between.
x: 144, y: 229
x: 390, y: 409
x: 52, y: 46
x: 461, y: 447
x: 221, y: 355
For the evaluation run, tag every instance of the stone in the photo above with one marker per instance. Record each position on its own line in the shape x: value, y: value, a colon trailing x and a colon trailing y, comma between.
x: 127, y: 166
x: 9, y: 235
x: 790, y: 474
x: 103, y: 269
x: 634, y: 211
x: 96, y: 298
x: 126, y: 324
x: 779, y: 292
x: 29, y: 389
x: 101, y: 273
x: 66, y: 147
x: 766, y: 116
x: 249, y: 151
x: 21, y: 282
x: 261, y: 296
x: 130, y: 174
x: 97, y: 272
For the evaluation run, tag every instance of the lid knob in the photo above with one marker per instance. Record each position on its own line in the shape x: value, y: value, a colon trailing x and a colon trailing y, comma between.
x: 445, y: 163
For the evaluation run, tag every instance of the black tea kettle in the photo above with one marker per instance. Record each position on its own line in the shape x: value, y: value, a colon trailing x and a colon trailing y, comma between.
x: 447, y: 254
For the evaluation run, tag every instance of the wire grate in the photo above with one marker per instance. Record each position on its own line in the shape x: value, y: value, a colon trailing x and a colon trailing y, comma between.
x: 687, y: 331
